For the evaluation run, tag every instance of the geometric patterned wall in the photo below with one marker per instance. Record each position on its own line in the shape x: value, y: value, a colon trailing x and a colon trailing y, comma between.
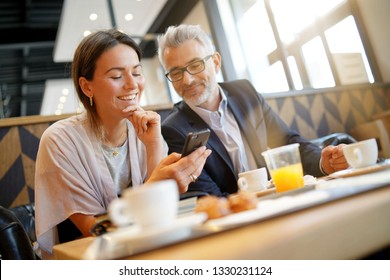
x: 19, y: 147
x: 313, y: 115
x: 316, y: 115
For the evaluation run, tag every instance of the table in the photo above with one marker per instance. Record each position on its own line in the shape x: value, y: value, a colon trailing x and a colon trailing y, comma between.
x: 347, y: 228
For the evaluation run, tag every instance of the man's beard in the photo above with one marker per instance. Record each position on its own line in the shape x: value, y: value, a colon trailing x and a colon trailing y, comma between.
x: 199, y: 99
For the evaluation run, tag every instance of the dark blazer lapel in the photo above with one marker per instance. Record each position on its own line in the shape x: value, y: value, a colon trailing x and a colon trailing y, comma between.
x: 197, y: 123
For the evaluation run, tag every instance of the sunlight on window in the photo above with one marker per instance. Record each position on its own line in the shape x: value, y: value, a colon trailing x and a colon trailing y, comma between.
x: 292, y: 64
x: 249, y: 24
x: 293, y: 16
x: 271, y: 79
x: 343, y: 38
x: 320, y: 74
x: 233, y: 39
x: 258, y: 55
x: 257, y: 41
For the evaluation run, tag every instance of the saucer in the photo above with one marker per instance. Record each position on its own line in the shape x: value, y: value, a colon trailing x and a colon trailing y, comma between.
x: 131, y: 240
x: 275, y: 194
x: 359, y: 171
x: 309, y: 184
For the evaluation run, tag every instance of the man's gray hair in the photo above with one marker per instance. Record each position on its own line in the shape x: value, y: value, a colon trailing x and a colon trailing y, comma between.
x: 177, y: 35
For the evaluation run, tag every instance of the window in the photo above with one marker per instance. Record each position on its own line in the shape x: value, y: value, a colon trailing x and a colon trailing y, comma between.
x: 295, y: 44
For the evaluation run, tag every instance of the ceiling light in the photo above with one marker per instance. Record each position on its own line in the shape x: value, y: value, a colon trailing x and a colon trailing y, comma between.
x: 77, y: 16
x: 86, y: 33
x: 62, y: 99
x: 54, y: 90
x: 129, y: 17
x: 134, y: 18
x: 93, y: 16
x: 144, y: 14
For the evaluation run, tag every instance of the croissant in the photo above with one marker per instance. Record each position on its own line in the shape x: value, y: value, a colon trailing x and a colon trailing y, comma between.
x: 215, y: 207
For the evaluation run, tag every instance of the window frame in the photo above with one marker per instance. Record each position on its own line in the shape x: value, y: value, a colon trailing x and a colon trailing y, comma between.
x: 282, y: 51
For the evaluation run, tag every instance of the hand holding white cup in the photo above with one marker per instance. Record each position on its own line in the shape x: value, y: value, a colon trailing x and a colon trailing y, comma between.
x: 361, y: 154
x: 150, y: 205
x: 253, y: 180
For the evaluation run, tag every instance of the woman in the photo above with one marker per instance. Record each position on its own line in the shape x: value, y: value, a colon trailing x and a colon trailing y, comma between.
x: 85, y: 161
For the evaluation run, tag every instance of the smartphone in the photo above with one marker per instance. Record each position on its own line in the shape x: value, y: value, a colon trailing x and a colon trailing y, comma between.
x: 195, y: 140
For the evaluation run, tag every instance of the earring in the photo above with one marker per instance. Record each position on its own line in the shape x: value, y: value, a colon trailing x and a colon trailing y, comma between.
x: 91, y: 101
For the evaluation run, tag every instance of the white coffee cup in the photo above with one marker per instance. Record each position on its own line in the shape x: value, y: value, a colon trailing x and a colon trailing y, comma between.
x: 361, y: 154
x: 150, y: 205
x: 253, y: 180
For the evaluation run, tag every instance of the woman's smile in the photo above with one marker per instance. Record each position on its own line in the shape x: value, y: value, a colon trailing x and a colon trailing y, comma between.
x: 128, y: 98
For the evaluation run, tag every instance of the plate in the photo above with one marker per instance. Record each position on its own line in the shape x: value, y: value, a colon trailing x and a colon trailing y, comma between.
x: 359, y: 171
x: 133, y: 239
x: 261, y: 193
x: 309, y: 183
x: 274, y: 194
x: 187, y: 206
x: 270, y: 208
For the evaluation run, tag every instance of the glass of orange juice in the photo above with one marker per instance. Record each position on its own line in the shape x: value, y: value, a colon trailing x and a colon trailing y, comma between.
x: 285, y: 166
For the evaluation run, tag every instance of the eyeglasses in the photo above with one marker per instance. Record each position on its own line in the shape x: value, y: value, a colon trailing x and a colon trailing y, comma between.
x: 193, y: 68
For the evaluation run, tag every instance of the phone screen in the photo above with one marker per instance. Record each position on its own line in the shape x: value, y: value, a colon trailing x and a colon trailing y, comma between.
x: 195, y: 140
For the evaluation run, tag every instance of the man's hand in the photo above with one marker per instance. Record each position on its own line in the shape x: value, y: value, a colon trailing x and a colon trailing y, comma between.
x: 332, y: 159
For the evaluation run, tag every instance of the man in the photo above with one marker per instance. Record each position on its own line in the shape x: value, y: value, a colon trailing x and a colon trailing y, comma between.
x: 242, y: 124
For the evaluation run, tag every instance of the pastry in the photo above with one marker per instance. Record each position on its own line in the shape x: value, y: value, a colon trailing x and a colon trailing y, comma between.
x: 215, y: 207
x: 242, y: 201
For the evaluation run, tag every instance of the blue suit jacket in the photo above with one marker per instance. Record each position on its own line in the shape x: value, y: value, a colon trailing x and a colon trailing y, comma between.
x: 258, y: 123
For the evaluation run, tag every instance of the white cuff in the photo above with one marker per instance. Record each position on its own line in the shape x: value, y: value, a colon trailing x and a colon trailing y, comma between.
x: 323, y: 172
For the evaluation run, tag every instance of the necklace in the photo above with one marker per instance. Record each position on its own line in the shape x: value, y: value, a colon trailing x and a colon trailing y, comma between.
x: 115, y: 151
x: 119, y: 150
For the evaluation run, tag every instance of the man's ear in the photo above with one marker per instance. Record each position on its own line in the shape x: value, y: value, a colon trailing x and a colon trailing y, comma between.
x: 217, y: 61
x: 85, y: 86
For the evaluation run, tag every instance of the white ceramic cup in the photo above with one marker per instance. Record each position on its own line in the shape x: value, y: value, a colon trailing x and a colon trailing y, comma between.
x: 253, y: 180
x: 150, y: 205
x: 361, y: 154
